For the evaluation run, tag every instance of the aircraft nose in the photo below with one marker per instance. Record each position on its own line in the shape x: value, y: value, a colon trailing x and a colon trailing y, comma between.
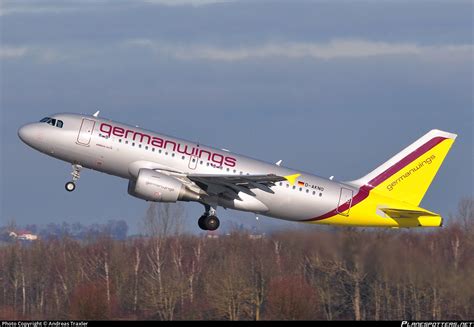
x: 25, y: 133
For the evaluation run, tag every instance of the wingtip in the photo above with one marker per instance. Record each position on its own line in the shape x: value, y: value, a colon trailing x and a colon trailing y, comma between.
x: 292, y: 178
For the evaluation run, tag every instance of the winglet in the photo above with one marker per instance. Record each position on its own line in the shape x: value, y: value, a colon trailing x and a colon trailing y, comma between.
x: 278, y: 163
x: 96, y: 113
x: 292, y: 178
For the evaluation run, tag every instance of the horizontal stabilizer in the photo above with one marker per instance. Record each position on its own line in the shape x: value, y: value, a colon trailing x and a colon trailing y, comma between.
x: 403, y: 213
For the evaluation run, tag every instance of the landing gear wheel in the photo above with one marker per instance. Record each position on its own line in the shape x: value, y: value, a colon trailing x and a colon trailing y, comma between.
x: 76, y: 173
x: 70, y: 186
x: 211, y: 223
x: 201, y: 222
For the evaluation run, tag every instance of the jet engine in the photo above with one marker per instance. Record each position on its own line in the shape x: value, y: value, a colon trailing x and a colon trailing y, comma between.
x: 154, y: 186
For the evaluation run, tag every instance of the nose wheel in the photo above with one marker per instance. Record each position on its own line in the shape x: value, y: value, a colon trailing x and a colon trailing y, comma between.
x: 76, y: 174
x: 70, y: 186
x: 209, y: 220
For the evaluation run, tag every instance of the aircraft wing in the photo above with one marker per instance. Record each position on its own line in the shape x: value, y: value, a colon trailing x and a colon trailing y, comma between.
x: 231, y: 185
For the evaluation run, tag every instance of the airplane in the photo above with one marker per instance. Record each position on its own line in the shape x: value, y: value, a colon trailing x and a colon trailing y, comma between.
x: 162, y: 168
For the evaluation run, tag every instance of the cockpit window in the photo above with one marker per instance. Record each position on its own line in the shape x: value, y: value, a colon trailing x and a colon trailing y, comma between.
x: 52, y: 122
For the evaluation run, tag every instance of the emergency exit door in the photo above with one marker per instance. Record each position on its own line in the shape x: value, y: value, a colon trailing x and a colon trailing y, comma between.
x: 193, y: 161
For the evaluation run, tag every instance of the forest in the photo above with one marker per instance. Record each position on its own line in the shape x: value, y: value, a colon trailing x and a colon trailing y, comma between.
x: 313, y: 274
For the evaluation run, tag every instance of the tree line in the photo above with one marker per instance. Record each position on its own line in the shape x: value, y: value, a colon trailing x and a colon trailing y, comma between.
x: 326, y: 274
x: 116, y: 229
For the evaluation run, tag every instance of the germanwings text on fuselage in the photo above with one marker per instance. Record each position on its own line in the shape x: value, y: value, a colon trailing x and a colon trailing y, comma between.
x: 162, y: 143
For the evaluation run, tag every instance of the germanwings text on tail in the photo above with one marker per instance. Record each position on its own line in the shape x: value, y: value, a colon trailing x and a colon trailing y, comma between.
x: 167, y: 169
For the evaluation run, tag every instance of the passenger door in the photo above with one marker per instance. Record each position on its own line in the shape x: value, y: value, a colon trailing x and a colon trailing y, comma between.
x: 345, y: 201
x: 85, y: 132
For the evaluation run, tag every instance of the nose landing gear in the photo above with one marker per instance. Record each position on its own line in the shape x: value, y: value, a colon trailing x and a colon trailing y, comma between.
x: 209, y: 220
x: 70, y: 186
x: 76, y: 174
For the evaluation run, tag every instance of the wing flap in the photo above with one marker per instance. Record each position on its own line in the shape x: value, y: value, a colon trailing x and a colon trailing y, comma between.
x: 233, y: 184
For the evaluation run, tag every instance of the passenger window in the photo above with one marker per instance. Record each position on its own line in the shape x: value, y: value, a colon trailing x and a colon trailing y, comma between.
x: 59, y: 124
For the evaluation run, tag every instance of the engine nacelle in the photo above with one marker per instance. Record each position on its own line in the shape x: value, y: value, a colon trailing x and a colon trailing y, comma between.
x: 153, y: 186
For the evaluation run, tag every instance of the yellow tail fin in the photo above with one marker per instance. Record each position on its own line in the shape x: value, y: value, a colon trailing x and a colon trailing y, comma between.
x: 407, y: 175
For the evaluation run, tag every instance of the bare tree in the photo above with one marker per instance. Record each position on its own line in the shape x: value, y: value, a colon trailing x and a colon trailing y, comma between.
x: 164, y: 219
x: 228, y: 290
x: 165, y: 282
x: 291, y: 298
x: 136, y: 269
x: 466, y: 212
x: 322, y: 275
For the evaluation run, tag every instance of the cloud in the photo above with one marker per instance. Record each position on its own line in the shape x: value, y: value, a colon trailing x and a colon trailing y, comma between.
x: 335, y: 49
x: 8, y: 52
x: 186, y: 2
x: 59, y: 7
x: 38, y: 53
x: 32, y: 8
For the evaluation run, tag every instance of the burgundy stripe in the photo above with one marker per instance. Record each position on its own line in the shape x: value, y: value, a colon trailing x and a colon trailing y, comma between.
x: 405, y: 161
x: 365, y: 189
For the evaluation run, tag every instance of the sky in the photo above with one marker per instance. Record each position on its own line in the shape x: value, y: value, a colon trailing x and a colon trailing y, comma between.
x: 330, y: 87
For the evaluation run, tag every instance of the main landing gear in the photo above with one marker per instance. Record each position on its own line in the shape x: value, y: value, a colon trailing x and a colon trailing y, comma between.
x: 76, y: 174
x: 209, y: 220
